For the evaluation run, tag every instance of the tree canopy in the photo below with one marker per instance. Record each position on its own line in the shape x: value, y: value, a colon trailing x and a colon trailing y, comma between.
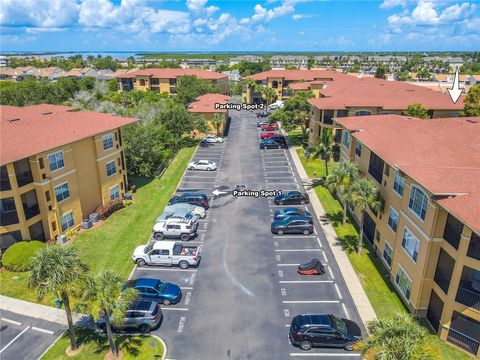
x: 190, y: 87
x: 416, y: 110
x: 472, y: 102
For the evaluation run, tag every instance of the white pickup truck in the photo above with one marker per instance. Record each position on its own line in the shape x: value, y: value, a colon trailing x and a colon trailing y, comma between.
x: 166, y: 253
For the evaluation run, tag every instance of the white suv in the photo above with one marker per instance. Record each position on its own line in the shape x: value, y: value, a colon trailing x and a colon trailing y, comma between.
x: 174, y: 228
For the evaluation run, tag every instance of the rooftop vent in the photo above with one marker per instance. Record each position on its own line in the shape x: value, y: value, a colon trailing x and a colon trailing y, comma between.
x: 473, y: 121
x: 47, y: 113
x: 14, y: 119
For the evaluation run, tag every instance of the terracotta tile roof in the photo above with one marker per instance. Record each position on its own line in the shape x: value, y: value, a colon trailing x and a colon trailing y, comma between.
x: 206, y: 103
x: 300, y: 86
x: 174, y: 73
x: 388, y: 95
x: 442, y: 155
x: 297, y: 75
x: 25, y: 131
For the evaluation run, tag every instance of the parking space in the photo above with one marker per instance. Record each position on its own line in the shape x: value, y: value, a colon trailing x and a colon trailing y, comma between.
x: 23, y: 337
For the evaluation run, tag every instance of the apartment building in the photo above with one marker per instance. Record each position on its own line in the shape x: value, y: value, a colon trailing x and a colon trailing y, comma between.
x: 165, y: 80
x: 427, y: 230
x: 205, y: 105
x: 57, y: 165
x: 353, y: 96
x: 282, y: 61
x: 283, y: 82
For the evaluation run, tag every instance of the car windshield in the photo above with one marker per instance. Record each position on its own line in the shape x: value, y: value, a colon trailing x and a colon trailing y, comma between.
x: 148, y: 248
x: 162, y: 285
x: 339, y: 324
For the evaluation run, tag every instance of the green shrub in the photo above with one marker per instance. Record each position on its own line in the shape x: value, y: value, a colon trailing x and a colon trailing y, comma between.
x: 104, y: 211
x: 17, y: 257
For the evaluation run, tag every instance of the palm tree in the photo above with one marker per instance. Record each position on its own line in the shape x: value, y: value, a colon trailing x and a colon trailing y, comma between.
x: 58, y: 270
x: 341, y: 180
x: 217, y: 122
x: 105, y: 296
x: 364, y: 195
x: 250, y: 85
x: 322, y: 150
x: 269, y: 94
x: 397, y: 337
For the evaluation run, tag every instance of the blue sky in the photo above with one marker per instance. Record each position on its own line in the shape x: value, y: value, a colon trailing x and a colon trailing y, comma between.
x: 282, y: 25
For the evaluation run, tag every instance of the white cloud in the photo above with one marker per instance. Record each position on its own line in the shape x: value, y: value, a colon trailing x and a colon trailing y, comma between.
x: 388, y: 4
x: 297, y: 17
x: 263, y: 15
x: 198, y: 7
x: 38, y: 13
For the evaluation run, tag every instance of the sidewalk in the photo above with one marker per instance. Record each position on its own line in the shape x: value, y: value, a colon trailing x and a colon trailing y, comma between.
x: 37, y: 311
x: 359, y: 297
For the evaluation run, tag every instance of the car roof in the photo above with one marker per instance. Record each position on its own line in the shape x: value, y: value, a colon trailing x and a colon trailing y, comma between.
x: 290, y: 209
x: 193, y: 194
x: 295, y: 217
x: 147, y: 282
x: 292, y: 192
x: 314, y: 319
x: 142, y: 305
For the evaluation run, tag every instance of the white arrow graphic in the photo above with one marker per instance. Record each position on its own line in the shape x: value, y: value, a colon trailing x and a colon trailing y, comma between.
x: 455, y: 91
x: 216, y: 192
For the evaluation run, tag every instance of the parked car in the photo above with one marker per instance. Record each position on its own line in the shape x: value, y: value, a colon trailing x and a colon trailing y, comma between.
x: 212, y: 139
x: 142, y: 315
x: 268, y: 134
x: 166, y: 253
x: 309, y: 330
x: 291, y: 198
x: 263, y: 114
x: 262, y: 122
x: 198, y: 199
x: 269, y: 127
x: 174, y: 228
x: 291, y: 211
x: 207, y: 165
x: 292, y: 225
x: 272, y: 143
x: 156, y: 290
x: 182, y: 215
x: 195, y: 210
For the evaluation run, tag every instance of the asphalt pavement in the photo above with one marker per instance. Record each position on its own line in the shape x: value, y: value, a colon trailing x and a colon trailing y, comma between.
x: 239, y: 302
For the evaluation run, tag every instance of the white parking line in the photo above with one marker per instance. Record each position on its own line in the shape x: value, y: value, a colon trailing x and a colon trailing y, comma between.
x: 14, y: 339
x: 324, y: 256
x: 347, y: 315
x: 323, y: 354
x: 296, y: 250
x: 167, y: 269
x: 186, y: 288
x: 173, y: 309
x: 293, y: 236
x: 11, y: 321
x: 338, y: 291
x: 306, y: 282
x: 288, y: 264
x: 331, y: 272
x: 310, y: 301
x: 43, y: 330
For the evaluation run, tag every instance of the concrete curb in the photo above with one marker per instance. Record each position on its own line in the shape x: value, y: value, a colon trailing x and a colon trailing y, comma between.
x: 363, y: 305
x: 163, y: 343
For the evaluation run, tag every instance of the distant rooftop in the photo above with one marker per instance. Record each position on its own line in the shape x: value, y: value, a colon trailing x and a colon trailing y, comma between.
x: 159, y: 73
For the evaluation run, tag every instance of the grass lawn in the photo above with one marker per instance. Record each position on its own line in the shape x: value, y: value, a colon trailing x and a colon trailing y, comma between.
x: 295, y: 137
x: 96, y: 346
x: 371, y: 272
x: 110, y: 245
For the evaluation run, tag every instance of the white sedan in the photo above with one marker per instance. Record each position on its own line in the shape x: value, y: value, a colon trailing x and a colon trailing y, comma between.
x: 212, y: 139
x: 202, y: 165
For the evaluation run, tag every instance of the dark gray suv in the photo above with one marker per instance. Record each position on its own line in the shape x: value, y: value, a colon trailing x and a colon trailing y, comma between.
x: 142, y: 315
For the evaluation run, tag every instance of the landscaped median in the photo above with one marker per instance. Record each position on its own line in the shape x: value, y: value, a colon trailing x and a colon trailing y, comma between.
x: 95, y: 346
x: 367, y: 266
x: 110, y: 245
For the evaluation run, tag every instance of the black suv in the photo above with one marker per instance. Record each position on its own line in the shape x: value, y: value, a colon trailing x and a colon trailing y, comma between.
x: 291, y: 198
x: 309, y: 330
x: 292, y: 225
x: 274, y: 142
x: 198, y: 199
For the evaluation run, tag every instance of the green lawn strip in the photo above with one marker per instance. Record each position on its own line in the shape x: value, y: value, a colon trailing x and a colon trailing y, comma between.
x: 95, y: 346
x: 295, y: 137
x: 372, y: 274
x: 110, y: 245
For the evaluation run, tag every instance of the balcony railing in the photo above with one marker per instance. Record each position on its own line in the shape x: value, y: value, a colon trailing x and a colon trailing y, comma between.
x: 328, y: 120
x: 442, y: 280
x: 31, y: 211
x: 452, y: 235
x: 474, y: 249
x: 468, y: 297
x: 462, y: 341
x: 375, y: 172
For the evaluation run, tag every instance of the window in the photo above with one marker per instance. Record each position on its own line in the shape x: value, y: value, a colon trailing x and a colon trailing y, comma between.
x: 56, y: 160
x: 111, y: 168
x: 387, y: 169
x: 411, y: 244
x: 375, y: 167
x: 358, y: 149
x: 62, y: 192
x: 172, y: 82
x: 453, y: 231
x: 418, y: 202
x: 393, y: 219
x: 155, y: 81
x: 107, y: 141
x: 40, y: 163
x: 141, y: 82
x: 114, y: 193
x: 47, y: 195
x: 67, y: 221
x: 404, y: 283
x: 363, y: 113
x: 398, y: 183
x: 346, y: 139
x: 387, y: 254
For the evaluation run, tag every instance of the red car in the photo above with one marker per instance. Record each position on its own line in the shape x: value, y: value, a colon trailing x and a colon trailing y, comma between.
x: 268, y: 134
x: 270, y: 127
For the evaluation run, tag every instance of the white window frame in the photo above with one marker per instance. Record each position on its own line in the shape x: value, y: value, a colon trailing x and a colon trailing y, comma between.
x: 415, y: 248
x: 50, y: 163
x: 109, y: 138
x: 385, y: 245
x: 346, y: 139
x: 61, y: 220
x: 413, y: 190
x: 392, y: 210
x: 363, y: 111
x: 358, y: 145
x: 397, y: 174
x: 401, y: 269
x: 110, y: 192
x: 115, y: 166
x: 55, y: 192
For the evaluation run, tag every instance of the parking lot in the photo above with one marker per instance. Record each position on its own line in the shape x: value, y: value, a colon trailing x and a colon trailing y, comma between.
x: 239, y: 302
x: 23, y: 337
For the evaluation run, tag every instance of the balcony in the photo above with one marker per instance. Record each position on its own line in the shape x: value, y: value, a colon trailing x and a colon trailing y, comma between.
x: 464, y: 332
x: 30, y: 204
x: 442, y: 280
x: 23, y: 172
x: 474, y: 247
x: 443, y: 273
x: 468, y: 295
x: 4, y: 179
x: 287, y: 93
x: 453, y: 231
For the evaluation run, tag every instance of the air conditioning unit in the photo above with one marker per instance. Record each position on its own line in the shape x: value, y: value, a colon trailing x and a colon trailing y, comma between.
x: 61, y: 239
